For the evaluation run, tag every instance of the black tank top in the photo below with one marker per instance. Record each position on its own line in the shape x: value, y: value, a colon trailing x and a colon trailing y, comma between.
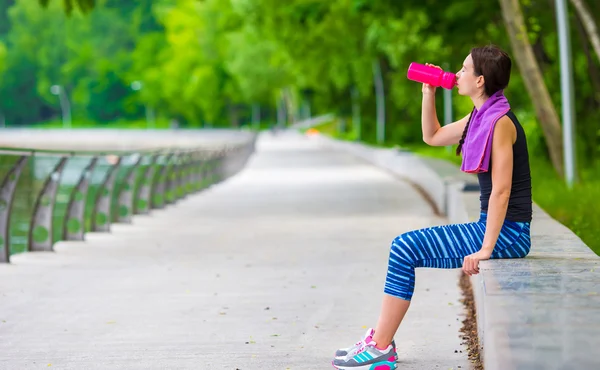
x: 520, y: 202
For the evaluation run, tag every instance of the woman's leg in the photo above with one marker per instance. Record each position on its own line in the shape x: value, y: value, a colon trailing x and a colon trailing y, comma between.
x: 393, y: 310
x: 441, y: 247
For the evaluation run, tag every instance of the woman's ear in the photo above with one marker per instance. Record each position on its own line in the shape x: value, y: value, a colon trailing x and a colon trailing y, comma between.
x: 480, y: 81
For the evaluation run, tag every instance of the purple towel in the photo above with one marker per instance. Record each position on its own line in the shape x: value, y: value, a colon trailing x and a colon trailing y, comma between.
x: 477, y: 147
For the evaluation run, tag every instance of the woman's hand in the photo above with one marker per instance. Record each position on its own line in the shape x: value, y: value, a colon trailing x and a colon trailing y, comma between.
x: 471, y: 262
x: 427, y: 88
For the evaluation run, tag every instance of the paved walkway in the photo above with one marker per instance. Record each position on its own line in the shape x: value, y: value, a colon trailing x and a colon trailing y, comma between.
x: 273, y: 269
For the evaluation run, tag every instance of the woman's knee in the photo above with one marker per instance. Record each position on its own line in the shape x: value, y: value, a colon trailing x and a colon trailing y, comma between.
x: 402, y: 247
x: 399, y: 241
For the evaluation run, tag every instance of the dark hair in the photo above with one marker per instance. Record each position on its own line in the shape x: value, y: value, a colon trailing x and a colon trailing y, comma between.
x: 464, y: 134
x: 495, y: 66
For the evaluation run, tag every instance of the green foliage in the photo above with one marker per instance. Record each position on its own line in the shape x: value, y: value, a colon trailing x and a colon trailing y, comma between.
x: 83, y: 5
x: 88, y: 55
x: 571, y: 207
x: 2, y: 58
x: 207, y: 62
x: 116, y: 124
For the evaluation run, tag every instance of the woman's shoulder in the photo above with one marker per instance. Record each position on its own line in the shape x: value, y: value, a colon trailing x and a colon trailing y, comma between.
x: 506, y: 127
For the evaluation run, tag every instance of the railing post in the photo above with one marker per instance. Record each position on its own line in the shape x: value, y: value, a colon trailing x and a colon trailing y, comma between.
x: 226, y: 162
x: 125, y: 202
x: 74, y: 225
x: 7, y: 193
x: 180, y: 174
x: 143, y: 197
x: 101, y: 216
x: 211, y: 164
x: 171, y: 189
x: 193, y: 170
x: 219, y: 166
x: 187, y: 173
x: 40, y: 229
x: 203, y: 172
x: 231, y: 161
x: 159, y: 195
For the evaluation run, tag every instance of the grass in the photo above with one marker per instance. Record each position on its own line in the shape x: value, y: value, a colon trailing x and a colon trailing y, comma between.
x: 572, y: 207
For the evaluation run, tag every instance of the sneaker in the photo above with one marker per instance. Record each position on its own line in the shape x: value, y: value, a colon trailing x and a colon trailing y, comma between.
x: 367, y: 356
x: 343, y: 352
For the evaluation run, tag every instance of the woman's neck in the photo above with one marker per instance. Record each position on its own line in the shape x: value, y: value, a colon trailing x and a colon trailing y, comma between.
x: 479, y: 100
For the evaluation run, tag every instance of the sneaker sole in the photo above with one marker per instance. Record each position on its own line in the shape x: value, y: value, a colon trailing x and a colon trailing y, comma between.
x: 340, y: 357
x: 382, y: 365
x: 344, y: 355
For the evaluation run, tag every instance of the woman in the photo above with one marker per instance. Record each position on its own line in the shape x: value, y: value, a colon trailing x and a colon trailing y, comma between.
x: 493, y: 145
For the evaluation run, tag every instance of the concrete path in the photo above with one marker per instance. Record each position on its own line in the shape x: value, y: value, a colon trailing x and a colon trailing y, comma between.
x: 273, y: 269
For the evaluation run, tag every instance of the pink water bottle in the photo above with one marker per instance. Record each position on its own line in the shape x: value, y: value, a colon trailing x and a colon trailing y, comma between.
x: 431, y: 75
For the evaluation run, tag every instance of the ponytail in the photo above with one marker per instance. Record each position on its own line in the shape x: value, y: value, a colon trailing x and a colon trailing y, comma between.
x: 464, y: 134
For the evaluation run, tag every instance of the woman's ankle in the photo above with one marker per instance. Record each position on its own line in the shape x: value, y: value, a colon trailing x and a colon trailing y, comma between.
x: 381, y: 343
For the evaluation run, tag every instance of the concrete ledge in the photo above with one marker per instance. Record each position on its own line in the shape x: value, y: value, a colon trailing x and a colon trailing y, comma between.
x: 540, y: 312
x: 122, y: 139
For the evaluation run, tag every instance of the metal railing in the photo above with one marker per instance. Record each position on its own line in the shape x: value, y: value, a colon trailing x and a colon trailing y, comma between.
x: 52, y: 195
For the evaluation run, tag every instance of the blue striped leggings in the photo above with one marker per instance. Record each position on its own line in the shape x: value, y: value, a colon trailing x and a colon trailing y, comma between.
x: 446, y: 247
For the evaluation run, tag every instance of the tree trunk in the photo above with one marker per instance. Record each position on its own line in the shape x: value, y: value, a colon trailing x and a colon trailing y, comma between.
x: 589, y: 24
x: 589, y: 131
x: 281, y: 111
x: 380, y: 96
x: 594, y: 74
x: 306, y: 109
x: 356, y: 113
x: 234, y: 118
x: 256, y: 116
x: 534, y: 82
x: 290, y: 106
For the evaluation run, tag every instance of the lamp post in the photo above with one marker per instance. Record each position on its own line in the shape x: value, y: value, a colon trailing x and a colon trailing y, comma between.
x: 137, y: 86
x: 566, y: 87
x: 65, y: 106
x: 380, y: 101
x: 448, y: 115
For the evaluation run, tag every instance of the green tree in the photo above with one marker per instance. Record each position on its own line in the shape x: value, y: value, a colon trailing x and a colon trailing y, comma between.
x: 211, y: 61
x: 83, y: 5
x: 90, y: 55
x: 2, y: 59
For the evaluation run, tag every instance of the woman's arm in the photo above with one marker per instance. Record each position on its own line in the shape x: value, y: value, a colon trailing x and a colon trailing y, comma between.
x: 433, y: 133
x: 502, y: 168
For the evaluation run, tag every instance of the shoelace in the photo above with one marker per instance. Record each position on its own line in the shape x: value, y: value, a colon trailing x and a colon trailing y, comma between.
x: 360, y: 347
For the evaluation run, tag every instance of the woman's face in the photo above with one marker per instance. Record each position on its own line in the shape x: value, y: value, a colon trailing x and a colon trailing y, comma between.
x: 468, y: 83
